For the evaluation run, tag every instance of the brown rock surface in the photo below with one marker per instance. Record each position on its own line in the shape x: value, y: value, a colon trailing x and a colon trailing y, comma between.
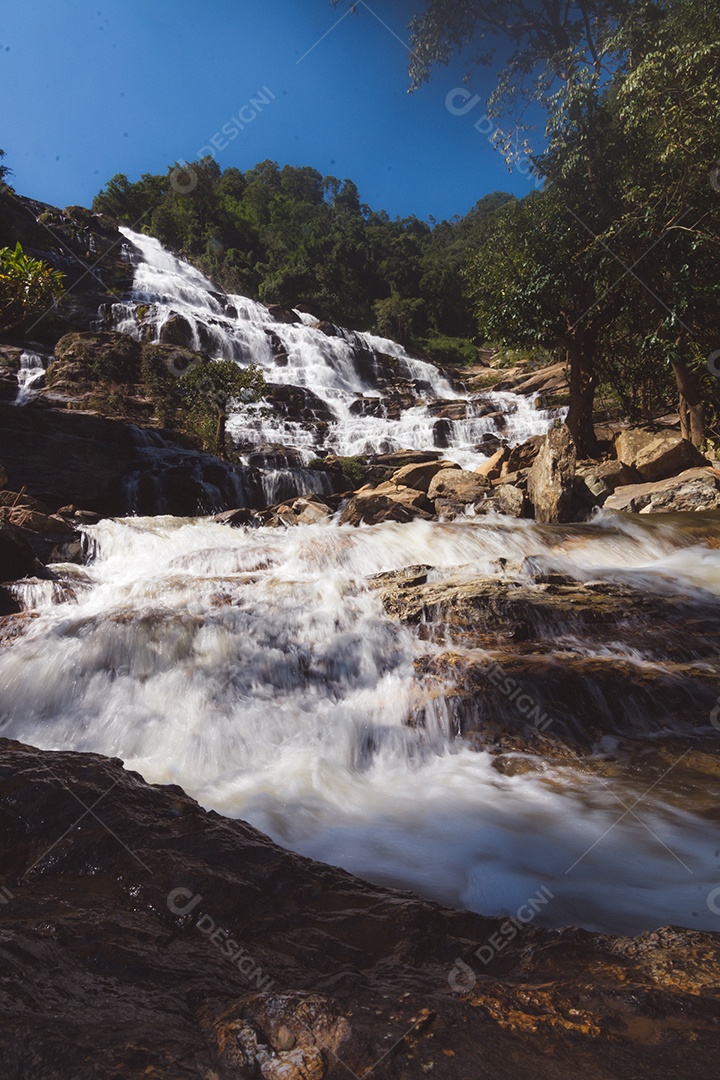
x: 551, y: 479
x: 656, y: 454
x: 122, y: 929
x: 692, y: 490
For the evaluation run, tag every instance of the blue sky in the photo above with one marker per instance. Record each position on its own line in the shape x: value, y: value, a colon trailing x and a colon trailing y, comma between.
x: 91, y: 88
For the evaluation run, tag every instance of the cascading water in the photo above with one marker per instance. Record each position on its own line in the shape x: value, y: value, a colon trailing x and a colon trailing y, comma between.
x: 342, y: 369
x: 259, y: 670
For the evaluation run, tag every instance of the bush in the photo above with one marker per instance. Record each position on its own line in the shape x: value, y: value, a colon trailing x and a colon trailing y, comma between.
x: 450, y: 350
x: 28, y: 288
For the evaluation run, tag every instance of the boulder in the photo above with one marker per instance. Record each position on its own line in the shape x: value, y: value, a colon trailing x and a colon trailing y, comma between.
x: 419, y: 477
x: 551, y: 478
x: 17, y: 558
x: 3, y: 477
x: 283, y: 314
x: 235, y: 518
x: 385, y: 503
x: 83, y: 359
x: 601, y: 480
x: 458, y: 486
x: 656, y: 454
x: 692, y: 490
x: 505, y: 499
x: 176, y: 330
x: 493, y: 466
x: 523, y: 455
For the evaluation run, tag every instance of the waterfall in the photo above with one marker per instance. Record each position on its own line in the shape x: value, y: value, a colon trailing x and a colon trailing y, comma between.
x: 259, y: 670
x: 172, y: 300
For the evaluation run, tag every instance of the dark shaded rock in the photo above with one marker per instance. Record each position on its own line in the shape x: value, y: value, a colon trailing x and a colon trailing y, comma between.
x: 442, y: 433
x: 523, y: 455
x: 283, y: 314
x: 176, y: 330
x: 114, y: 964
x: 17, y: 559
x: 450, y: 410
x: 83, y: 359
x: 550, y: 482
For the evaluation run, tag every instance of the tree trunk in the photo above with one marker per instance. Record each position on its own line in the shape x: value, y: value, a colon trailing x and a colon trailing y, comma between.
x: 582, y: 395
x: 690, y: 405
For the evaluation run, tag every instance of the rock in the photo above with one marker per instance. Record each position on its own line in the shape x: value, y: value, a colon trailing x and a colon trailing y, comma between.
x: 595, y: 482
x: 3, y: 477
x: 14, y: 499
x: 176, y: 330
x: 83, y: 359
x: 326, y: 327
x: 504, y: 499
x: 51, y: 524
x: 385, y: 503
x: 448, y: 410
x: 111, y: 923
x: 17, y: 559
x: 458, y: 487
x: 282, y: 314
x: 656, y: 454
x: 111, y: 468
x: 692, y: 490
x: 442, y: 433
x: 523, y: 455
x: 235, y: 518
x: 399, y: 458
x: 419, y: 477
x: 493, y: 466
x: 550, y: 480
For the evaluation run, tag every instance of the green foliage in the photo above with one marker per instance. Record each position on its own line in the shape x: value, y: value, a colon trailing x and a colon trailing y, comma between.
x: 207, y: 390
x: 28, y: 287
x: 449, y: 350
x: 398, y: 317
x: 355, y: 468
x: 291, y: 236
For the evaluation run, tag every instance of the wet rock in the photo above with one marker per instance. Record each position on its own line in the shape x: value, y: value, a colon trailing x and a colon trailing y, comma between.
x: 17, y: 558
x: 693, y: 490
x: 449, y: 410
x: 283, y: 314
x: 176, y: 330
x: 420, y: 477
x: 442, y: 433
x: 235, y: 518
x: 114, y: 963
x: 551, y: 478
x: 400, y: 458
x: 534, y: 609
x: 387, y: 502
x: 656, y: 454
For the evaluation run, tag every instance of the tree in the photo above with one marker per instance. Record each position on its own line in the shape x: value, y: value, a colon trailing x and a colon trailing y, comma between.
x: 28, y: 287
x: 208, y: 390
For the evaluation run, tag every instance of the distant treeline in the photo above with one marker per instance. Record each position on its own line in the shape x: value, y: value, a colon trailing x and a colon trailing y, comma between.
x: 291, y: 236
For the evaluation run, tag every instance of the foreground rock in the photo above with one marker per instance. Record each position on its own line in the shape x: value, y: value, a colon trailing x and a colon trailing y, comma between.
x: 150, y: 938
x: 550, y: 482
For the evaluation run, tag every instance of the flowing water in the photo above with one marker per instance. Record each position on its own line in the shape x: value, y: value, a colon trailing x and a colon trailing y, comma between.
x: 259, y: 670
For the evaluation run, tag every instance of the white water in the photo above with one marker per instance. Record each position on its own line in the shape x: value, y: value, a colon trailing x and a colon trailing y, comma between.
x: 334, y: 368
x: 258, y: 670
